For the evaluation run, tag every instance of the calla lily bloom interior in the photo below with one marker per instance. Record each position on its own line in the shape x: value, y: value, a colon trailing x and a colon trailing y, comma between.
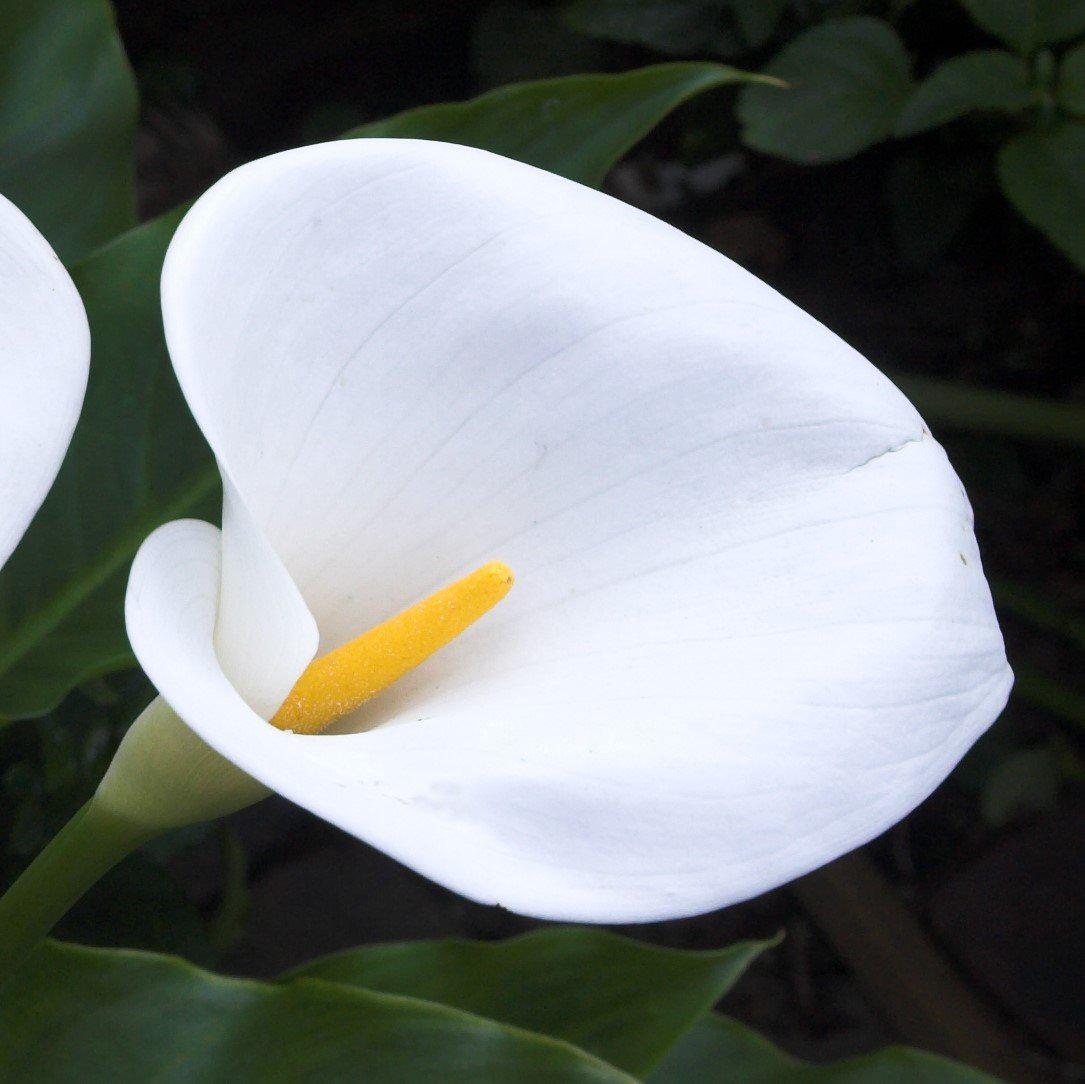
x: 749, y: 631
x: 750, y: 628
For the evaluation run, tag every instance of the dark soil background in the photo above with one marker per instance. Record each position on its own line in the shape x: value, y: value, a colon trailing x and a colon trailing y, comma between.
x: 961, y: 929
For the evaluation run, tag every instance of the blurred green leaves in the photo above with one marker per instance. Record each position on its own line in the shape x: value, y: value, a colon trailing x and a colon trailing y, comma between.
x: 1042, y: 173
x: 850, y: 88
x: 67, y: 120
x: 847, y: 82
x: 1027, y: 24
x: 638, y: 1001
x: 991, y: 79
x: 560, y: 1004
x: 106, y: 1016
x: 721, y: 1051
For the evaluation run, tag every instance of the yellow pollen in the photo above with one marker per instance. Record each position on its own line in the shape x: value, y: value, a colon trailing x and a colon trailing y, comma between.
x: 344, y: 679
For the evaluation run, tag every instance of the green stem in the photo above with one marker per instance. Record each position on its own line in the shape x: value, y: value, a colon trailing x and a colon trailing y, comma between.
x: 948, y: 405
x: 88, y: 846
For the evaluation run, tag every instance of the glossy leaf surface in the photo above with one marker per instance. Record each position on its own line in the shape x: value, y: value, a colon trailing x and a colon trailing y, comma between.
x: 847, y: 82
x: 719, y: 1050
x: 1042, y: 173
x: 990, y: 80
x: 577, y: 126
x: 624, y: 1001
x: 102, y: 1015
x: 67, y: 119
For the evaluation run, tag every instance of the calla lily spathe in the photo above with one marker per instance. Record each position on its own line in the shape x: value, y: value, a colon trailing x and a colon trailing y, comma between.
x: 44, y: 355
x: 750, y: 629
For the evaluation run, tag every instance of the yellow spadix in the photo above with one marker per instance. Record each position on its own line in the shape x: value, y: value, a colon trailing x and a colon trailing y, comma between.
x: 344, y: 679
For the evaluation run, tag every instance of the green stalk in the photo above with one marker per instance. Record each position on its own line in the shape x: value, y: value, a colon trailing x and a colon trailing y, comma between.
x: 88, y: 846
x: 947, y: 405
x: 162, y: 777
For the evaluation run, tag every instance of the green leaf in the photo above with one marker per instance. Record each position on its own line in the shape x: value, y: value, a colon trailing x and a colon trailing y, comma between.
x: 100, y: 1015
x: 1071, y: 88
x: 624, y: 1001
x: 675, y: 27
x: 721, y: 1051
x: 67, y: 119
x: 1042, y: 173
x: 848, y: 79
x: 1026, y: 24
x: 137, y: 458
x: 578, y: 125
x: 990, y: 80
x: 232, y: 914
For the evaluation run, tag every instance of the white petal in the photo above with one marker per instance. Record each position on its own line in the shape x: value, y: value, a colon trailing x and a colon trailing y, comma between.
x: 44, y: 353
x: 750, y: 629
x: 264, y: 633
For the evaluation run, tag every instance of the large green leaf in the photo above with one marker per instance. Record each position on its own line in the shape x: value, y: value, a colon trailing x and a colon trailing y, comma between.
x: 1042, y: 173
x: 722, y: 1051
x: 988, y: 80
x: 1026, y: 24
x: 577, y: 125
x: 624, y: 1001
x: 848, y: 80
x: 137, y: 459
x: 104, y: 1015
x: 67, y: 119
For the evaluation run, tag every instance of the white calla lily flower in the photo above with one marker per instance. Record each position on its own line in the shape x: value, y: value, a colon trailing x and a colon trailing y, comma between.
x: 44, y: 357
x: 750, y: 628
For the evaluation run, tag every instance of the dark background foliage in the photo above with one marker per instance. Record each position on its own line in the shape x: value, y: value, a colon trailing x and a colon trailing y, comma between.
x: 960, y: 929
